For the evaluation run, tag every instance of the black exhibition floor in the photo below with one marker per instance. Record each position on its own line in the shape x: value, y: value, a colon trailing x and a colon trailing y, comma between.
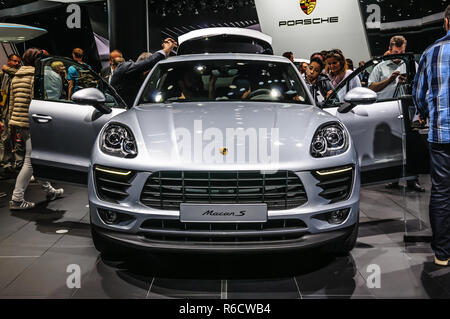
x: 35, y: 253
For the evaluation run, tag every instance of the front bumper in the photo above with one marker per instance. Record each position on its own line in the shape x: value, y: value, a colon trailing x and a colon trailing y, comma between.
x: 124, y: 241
x: 312, y: 232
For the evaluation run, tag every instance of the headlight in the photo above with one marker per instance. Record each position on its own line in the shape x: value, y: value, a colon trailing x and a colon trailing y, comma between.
x: 330, y: 140
x: 117, y: 140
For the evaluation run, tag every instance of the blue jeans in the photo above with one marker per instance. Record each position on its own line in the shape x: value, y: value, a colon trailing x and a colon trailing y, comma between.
x: 440, y: 199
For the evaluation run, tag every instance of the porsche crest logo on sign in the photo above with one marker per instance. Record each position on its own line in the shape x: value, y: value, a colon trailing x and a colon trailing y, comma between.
x: 308, y: 6
x: 223, y: 151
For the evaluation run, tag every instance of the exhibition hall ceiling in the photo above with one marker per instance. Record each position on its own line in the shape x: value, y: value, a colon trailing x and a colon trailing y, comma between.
x: 199, y: 7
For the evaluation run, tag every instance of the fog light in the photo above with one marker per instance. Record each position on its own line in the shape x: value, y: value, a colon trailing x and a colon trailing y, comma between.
x: 109, y: 217
x: 337, y: 217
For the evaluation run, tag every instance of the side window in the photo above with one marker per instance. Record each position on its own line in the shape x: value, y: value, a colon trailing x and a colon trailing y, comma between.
x: 60, y: 74
x: 110, y: 95
x: 387, y: 77
x: 56, y: 84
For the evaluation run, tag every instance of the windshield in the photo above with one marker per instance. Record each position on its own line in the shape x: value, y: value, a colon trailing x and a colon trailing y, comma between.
x: 224, y: 80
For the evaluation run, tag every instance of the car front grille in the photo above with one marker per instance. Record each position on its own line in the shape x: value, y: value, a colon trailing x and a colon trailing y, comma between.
x: 336, y: 183
x: 272, y: 230
x: 168, y: 189
x: 112, y: 184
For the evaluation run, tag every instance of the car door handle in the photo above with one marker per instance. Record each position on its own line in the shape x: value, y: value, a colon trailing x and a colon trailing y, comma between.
x: 360, y: 112
x: 41, y: 118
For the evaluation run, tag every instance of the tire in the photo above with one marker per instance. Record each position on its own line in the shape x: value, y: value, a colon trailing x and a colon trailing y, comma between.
x: 344, y: 246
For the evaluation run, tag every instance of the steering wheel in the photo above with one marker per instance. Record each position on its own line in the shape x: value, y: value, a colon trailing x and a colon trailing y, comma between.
x: 258, y: 92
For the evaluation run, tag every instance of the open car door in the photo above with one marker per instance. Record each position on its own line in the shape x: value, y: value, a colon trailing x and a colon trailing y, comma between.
x: 62, y: 131
x: 389, y: 142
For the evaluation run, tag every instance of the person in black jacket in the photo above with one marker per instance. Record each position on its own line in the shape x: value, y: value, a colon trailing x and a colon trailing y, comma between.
x: 319, y: 83
x: 106, y: 73
x: 128, y: 76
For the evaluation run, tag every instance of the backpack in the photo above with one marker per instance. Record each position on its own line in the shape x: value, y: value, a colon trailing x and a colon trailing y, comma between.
x: 86, y: 79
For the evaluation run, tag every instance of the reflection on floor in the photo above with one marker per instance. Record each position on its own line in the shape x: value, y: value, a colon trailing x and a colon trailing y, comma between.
x: 36, y: 252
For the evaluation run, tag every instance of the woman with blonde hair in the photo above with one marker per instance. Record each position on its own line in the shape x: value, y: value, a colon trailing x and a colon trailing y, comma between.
x: 60, y: 68
x: 338, y: 69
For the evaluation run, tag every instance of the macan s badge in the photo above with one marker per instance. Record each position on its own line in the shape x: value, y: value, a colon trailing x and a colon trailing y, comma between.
x: 308, y: 6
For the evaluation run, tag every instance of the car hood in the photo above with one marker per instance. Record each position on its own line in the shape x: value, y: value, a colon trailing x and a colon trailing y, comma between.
x: 194, y: 135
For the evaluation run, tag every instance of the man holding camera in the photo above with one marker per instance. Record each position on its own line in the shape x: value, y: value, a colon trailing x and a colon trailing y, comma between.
x: 384, y: 80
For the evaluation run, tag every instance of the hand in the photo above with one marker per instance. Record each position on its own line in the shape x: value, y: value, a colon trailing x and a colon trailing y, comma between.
x: 402, y: 78
x: 246, y: 94
x: 394, y: 76
x: 168, y: 45
x: 4, y: 67
x: 422, y: 121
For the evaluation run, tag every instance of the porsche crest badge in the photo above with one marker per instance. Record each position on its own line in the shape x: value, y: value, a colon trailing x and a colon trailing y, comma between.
x: 308, y: 6
x: 223, y: 151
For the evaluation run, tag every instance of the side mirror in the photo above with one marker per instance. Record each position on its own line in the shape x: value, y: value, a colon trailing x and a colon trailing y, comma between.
x: 357, y: 96
x: 92, y: 96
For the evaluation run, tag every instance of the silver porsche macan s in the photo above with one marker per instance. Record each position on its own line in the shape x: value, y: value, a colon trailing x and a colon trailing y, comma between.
x: 224, y: 153
x: 224, y: 149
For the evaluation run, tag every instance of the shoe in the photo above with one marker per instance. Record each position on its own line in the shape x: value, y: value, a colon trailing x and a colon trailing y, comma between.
x: 393, y: 185
x: 440, y: 262
x: 15, y: 205
x: 415, y: 186
x: 54, y: 194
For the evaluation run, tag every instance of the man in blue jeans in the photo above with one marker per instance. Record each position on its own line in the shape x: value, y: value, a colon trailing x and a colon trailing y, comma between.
x: 431, y: 93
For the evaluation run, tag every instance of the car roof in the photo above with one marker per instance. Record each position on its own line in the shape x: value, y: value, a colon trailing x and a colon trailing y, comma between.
x: 226, y: 56
x: 302, y: 60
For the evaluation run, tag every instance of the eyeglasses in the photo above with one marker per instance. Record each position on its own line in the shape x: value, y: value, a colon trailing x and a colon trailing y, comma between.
x: 335, y: 53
